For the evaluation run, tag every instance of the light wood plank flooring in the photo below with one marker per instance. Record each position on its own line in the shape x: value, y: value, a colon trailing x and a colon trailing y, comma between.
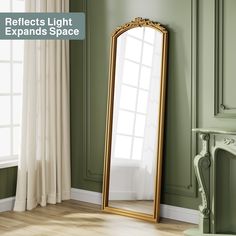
x: 83, y: 219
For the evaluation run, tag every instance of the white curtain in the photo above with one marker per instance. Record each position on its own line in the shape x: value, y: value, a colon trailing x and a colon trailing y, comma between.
x: 44, y: 165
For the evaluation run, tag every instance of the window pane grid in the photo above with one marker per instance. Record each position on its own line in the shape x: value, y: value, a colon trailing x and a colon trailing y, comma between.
x: 138, y: 63
x: 133, y: 86
x: 9, y: 158
x: 10, y: 94
x: 135, y: 112
x: 140, y: 39
x: 138, y: 91
x: 10, y: 130
x: 8, y: 126
x: 130, y: 135
x: 14, y: 61
x: 134, y: 137
x: 135, y: 93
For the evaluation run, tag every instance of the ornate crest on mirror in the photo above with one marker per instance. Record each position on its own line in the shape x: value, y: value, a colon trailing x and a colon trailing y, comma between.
x: 135, y: 120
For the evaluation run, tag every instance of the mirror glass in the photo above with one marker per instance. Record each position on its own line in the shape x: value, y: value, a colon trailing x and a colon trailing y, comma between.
x: 135, y: 132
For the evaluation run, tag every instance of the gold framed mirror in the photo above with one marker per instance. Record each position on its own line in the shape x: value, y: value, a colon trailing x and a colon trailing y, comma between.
x: 135, y: 120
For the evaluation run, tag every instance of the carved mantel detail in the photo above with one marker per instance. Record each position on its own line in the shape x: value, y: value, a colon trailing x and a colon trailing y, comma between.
x: 229, y: 141
x: 202, y: 161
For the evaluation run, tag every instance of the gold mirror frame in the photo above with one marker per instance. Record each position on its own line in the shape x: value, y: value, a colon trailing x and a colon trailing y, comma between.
x: 138, y: 22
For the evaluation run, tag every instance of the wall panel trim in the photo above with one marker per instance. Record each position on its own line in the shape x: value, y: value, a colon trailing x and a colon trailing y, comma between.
x: 220, y: 108
x: 191, y: 189
x: 88, y: 172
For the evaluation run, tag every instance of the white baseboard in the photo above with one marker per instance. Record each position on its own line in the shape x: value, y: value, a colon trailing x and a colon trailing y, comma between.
x: 180, y: 214
x: 86, y: 196
x: 7, y: 204
x: 167, y: 211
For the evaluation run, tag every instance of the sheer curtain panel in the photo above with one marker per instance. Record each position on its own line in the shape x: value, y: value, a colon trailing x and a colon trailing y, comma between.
x: 44, y: 164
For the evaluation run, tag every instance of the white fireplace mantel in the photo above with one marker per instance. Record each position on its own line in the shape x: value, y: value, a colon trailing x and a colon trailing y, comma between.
x: 213, y: 140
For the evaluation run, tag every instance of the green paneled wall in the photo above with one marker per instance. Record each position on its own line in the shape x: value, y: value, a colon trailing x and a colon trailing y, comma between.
x: 7, y: 182
x: 89, y: 79
x: 191, y: 93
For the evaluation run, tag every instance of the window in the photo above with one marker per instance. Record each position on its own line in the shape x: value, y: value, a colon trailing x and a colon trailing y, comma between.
x: 11, y: 77
x: 135, y: 67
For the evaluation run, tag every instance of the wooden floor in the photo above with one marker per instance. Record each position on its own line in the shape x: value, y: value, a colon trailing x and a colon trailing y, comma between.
x: 83, y: 219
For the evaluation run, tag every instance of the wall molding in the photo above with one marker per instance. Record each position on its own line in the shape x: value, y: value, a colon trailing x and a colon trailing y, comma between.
x: 86, y: 196
x: 190, y: 190
x: 167, y: 211
x: 220, y: 108
x: 7, y: 204
x: 88, y: 172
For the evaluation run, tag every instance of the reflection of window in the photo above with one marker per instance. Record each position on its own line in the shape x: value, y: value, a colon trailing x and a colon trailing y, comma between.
x: 11, y: 67
x: 137, y: 59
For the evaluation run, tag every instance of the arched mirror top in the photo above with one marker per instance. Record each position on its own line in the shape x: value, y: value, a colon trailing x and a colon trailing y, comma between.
x: 139, y: 22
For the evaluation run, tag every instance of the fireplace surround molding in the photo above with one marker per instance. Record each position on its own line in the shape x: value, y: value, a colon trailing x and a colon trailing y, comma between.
x: 212, y: 141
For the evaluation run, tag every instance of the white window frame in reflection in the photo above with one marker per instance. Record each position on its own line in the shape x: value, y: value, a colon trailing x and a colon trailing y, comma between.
x: 130, y: 159
x: 10, y: 155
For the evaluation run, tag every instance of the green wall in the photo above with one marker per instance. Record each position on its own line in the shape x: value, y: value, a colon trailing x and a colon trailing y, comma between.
x: 7, y: 182
x: 192, y: 94
x: 89, y: 92
x: 196, y: 87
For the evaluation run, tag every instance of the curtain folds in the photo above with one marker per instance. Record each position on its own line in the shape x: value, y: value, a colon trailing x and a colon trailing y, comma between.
x: 44, y: 164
